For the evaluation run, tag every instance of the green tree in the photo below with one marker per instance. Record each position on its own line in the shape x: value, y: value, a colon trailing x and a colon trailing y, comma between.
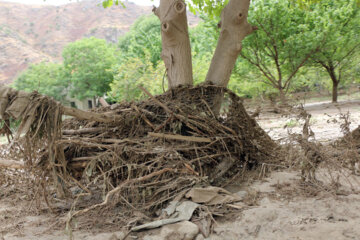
x: 134, y: 72
x: 46, y: 78
x: 142, y: 39
x: 286, y: 38
x: 204, y: 36
x: 88, y: 64
x: 340, y: 21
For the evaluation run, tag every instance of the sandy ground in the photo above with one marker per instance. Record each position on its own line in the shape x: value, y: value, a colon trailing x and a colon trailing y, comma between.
x: 283, y: 207
x: 325, y: 120
x: 281, y: 216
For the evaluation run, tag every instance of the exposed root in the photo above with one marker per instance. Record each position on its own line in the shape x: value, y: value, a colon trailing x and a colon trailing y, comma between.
x: 142, y: 155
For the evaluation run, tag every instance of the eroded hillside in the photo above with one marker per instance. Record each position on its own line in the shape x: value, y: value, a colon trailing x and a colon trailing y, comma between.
x: 34, y: 33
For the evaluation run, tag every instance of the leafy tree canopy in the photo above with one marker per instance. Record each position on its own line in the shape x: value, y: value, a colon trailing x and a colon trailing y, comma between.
x: 46, y: 78
x: 133, y: 72
x: 285, y: 40
x: 340, y: 23
x: 88, y: 63
x: 143, y: 38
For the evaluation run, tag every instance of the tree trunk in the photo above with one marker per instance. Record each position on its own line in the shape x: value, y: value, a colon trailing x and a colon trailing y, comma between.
x: 176, y: 51
x: 335, y: 92
x: 234, y: 28
x: 282, y: 95
x: 335, y: 82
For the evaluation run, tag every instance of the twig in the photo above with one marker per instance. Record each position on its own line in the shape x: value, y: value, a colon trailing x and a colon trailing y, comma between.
x: 90, y: 116
x: 156, y: 100
x: 117, y: 189
x: 164, y: 124
x: 143, y: 116
x: 180, y: 137
x: 82, y: 131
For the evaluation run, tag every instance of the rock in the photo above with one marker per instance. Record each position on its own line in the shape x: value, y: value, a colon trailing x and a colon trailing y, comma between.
x: 242, y: 194
x: 200, y: 237
x: 180, y: 231
x: 113, y: 237
x: 117, y: 236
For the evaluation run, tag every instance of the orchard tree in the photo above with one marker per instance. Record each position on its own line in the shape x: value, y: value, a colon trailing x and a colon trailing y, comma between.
x: 143, y: 40
x: 340, y: 20
x: 204, y: 36
x: 284, y: 42
x: 176, y: 51
x: 88, y: 63
x: 135, y: 71
x: 46, y: 78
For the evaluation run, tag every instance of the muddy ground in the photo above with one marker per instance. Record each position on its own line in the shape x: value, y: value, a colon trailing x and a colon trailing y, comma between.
x: 278, y: 207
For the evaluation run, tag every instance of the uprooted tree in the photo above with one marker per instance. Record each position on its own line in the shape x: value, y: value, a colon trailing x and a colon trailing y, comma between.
x: 141, y: 155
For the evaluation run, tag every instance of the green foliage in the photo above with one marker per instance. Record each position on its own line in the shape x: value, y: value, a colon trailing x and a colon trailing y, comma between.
x: 143, y: 38
x: 109, y: 3
x: 274, y: 56
x: 88, y: 64
x: 46, y: 78
x: 212, y: 8
x: 340, y: 21
x: 201, y: 65
x: 286, y: 38
x: 204, y: 36
x: 134, y: 72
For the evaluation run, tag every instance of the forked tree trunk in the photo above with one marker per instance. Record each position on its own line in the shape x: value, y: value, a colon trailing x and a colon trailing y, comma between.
x: 234, y: 28
x: 176, y: 51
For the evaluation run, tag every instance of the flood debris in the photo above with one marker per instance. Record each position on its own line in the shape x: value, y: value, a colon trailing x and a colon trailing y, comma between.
x: 137, y: 156
x: 143, y: 164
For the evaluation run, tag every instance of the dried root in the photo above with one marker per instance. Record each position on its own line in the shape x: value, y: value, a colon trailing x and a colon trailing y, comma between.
x: 116, y: 153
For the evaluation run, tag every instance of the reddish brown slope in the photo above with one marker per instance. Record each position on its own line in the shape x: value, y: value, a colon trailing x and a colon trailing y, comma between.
x: 32, y: 33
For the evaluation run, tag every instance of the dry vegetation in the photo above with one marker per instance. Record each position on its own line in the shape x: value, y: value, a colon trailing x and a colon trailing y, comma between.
x: 120, y: 170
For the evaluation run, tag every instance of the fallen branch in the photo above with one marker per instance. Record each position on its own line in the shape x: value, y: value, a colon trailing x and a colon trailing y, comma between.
x: 156, y: 100
x: 90, y: 116
x: 180, y: 137
x: 82, y: 131
x: 11, y: 164
x: 117, y: 189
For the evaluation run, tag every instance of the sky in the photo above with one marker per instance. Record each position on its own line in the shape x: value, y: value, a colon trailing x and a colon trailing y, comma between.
x: 60, y: 2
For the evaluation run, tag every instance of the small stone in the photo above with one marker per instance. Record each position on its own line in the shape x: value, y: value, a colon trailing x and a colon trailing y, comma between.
x: 182, y: 231
x: 113, y: 237
x: 242, y: 194
x: 200, y: 237
x: 148, y: 238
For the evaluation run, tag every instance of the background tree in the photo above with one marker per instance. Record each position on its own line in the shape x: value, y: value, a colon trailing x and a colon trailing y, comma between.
x: 340, y: 21
x: 142, y: 39
x: 133, y: 72
x: 46, y: 78
x: 203, y: 39
x: 284, y: 41
x: 88, y: 64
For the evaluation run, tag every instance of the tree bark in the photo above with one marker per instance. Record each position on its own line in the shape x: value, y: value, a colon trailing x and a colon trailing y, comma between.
x: 176, y: 51
x: 335, y: 82
x: 282, y: 94
x: 335, y: 92
x: 234, y: 28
